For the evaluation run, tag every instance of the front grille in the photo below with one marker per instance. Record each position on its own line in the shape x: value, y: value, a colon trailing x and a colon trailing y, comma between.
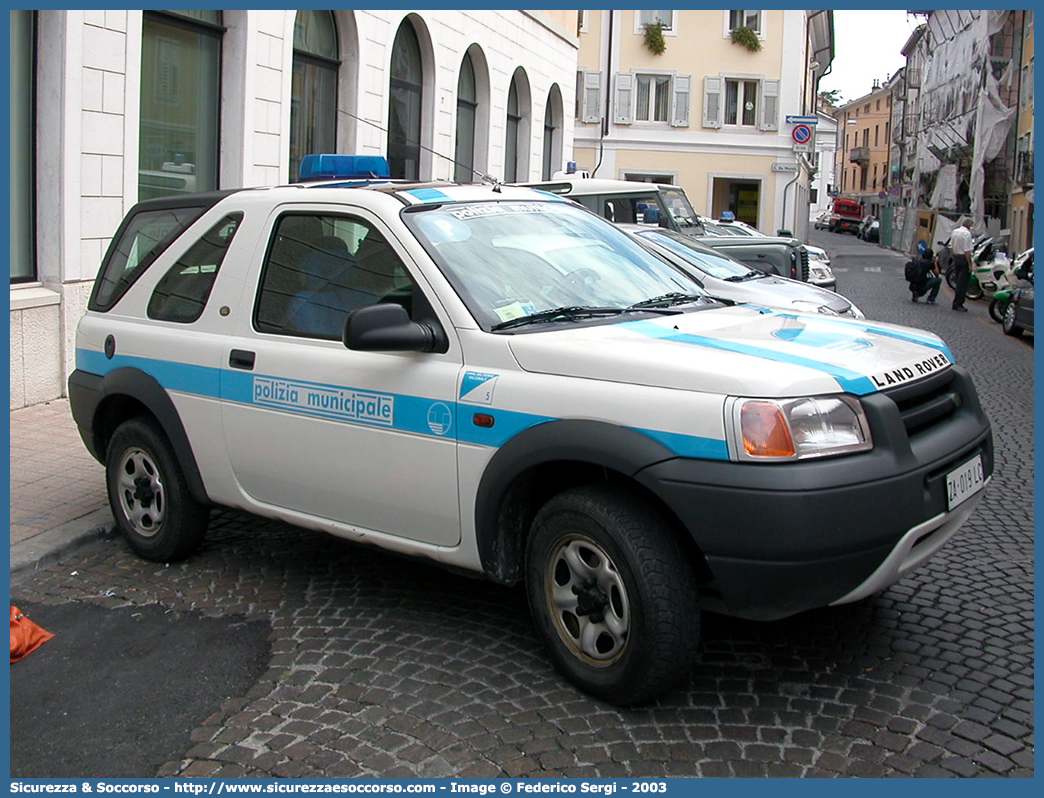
x: 800, y: 268
x: 928, y: 402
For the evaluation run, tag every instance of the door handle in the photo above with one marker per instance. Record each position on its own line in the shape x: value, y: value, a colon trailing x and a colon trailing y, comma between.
x: 241, y: 359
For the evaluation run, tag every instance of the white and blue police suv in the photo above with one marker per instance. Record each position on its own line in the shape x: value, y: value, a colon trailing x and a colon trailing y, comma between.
x: 501, y: 381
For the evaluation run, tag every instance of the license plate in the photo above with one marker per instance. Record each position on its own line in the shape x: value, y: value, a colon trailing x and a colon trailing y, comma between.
x: 964, y: 482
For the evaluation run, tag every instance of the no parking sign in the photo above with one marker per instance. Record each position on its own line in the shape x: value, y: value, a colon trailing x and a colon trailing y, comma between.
x: 802, y: 134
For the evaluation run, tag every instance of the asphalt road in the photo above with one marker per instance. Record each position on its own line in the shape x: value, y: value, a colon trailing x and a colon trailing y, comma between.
x: 350, y: 662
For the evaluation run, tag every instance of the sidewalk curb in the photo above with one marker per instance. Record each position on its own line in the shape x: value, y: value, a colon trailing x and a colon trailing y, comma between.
x: 49, y: 547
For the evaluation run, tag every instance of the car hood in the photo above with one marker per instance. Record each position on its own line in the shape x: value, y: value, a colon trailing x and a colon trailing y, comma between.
x: 779, y: 292
x: 740, y: 350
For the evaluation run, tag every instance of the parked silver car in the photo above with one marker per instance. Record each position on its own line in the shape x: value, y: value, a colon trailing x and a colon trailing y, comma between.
x: 725, y: 277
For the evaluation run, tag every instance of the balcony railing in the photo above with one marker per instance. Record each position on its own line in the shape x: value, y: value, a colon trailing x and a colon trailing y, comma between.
x: 859, y: 155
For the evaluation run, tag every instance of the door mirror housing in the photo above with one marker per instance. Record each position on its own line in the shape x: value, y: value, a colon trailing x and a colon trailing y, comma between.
x: 387, y: 328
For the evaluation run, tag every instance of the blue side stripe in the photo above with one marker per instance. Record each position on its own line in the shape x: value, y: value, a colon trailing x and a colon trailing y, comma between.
x: 199, y: 380
x: 850, y: 381
x: 411, y: 412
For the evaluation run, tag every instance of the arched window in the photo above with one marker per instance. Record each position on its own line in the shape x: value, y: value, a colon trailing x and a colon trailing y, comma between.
x: 552, y: 161
x: 404, y: 105
x: 180, y: 102
x: 313, y: 93
x: 467, y: 104
x: 514, y: 118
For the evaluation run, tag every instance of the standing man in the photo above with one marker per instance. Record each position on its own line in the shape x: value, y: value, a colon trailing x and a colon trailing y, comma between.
x: 961, y: 247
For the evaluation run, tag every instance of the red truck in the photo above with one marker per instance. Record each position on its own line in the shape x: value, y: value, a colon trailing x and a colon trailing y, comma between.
x: 846, y: 216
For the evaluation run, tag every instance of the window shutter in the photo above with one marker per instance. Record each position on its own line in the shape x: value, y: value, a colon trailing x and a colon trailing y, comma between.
x: 680, y: 101
x: 712, y: 101
x: 770, y: 105
x: 624, y: 114
x: 592, y: 102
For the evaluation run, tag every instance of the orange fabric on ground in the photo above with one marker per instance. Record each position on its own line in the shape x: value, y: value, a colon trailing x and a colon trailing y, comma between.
x: 26, y: 636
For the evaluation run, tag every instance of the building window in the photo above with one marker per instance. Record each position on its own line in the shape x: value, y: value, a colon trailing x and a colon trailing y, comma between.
x: 404, y: 111
x: 652, y: 98
x: 467, y: 105
x: 313, y: 93
x: 741, y: 102
x: 745, y: 19
x: 23, y: 152
x: 180, y: 102
x: 649, y: 177
x: 511, y: 128
x: 552, y: 161
x: 651, y: 17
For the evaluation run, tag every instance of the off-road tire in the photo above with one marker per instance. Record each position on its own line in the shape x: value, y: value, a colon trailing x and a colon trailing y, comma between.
x: 149, y: 496
x: 647, y: 639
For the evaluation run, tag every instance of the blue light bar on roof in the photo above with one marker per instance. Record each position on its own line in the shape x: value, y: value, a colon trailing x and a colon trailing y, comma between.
x: 344, y: 167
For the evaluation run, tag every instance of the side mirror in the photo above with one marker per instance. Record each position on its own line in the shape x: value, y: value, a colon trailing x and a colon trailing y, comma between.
x: 387, y: 328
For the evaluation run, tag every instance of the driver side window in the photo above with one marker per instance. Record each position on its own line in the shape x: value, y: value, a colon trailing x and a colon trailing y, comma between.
x: 320, y: 268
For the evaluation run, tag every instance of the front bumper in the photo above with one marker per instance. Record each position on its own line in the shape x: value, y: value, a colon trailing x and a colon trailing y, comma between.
x: 781, y: 539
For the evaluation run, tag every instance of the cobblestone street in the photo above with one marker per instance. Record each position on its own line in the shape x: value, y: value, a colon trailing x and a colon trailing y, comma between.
x: 381, y: 666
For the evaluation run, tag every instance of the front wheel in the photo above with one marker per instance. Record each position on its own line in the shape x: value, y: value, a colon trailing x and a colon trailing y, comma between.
x: 974, y: 289
x: 951, y: 276
x: 997, y: 309
x: 1008, y: 324
x: 149, y: 496
x: 612, y: 594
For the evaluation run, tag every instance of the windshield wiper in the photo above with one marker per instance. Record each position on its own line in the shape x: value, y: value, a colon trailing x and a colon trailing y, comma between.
x: 665, y: 300
x: 753, y: 274
x: 557, y: 314
x: 574, y: 312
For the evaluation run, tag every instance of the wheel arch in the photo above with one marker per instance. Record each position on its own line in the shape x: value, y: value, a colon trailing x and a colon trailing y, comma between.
x: 543, y: 461
x: 102, y: 403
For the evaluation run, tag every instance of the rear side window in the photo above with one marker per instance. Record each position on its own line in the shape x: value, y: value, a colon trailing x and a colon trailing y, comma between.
x: 183, y: 292
x: 140, y: 242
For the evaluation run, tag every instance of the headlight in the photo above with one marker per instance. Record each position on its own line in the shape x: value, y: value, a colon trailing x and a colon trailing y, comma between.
x: 770, y: 430
x: 819, y: 271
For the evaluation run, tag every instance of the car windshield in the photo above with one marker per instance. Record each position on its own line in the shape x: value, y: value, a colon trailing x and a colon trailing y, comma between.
x: 706, y: 260
x: 514, y: 259
x: 679, y: 208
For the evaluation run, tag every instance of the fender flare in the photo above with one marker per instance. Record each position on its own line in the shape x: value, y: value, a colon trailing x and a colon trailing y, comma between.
x: 596, y: 443
x: 89, y: 394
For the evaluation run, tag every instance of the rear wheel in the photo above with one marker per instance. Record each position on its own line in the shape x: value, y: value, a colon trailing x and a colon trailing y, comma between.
x: 951, y: 276
x: 149, y: 496
x: 997, y: 308
x: 612, y: 594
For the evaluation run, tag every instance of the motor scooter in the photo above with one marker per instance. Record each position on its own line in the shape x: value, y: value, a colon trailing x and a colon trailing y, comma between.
x: 990, y: 270
x: 1021, y: 269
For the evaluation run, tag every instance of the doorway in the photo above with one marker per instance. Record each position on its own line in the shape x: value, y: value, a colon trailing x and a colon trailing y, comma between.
x: 742, y: 197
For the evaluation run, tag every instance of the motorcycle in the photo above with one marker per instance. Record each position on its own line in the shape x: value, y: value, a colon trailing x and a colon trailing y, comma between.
x: 1022, y: 269
x: 991, y: 270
